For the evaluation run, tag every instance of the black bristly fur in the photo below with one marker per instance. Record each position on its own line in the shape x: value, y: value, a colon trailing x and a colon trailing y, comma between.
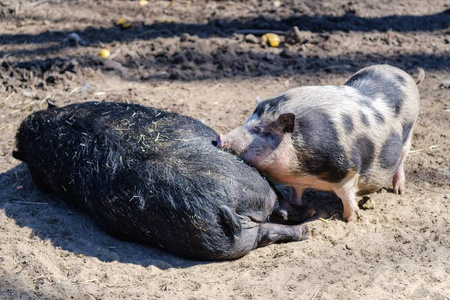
x: 148, y: 175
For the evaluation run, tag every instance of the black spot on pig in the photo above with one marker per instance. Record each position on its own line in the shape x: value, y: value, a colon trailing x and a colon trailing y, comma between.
x: 348, y: 123
x: 362, y: 154
x: 367, y: 102
x: 270, y: 105
x: 364, y: 119
x: 327, y: 158
x: 372, y: 83
x: 378, y: 116
x: 406, y: 130
x: 400, y: 79
x: 391, y: 151
x: 259, y: 110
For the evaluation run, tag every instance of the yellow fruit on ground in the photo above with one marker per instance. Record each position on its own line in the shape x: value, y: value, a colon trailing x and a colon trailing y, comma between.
x: 121, y: 21
x: 271, y: 39
x: 104, y: 53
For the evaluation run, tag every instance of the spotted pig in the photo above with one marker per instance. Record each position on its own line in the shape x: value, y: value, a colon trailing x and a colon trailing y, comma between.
x: 350, y: 139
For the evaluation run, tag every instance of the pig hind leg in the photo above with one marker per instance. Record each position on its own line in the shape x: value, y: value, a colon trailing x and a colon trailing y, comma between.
x: 398, y: 182
x: 270, y: 233
x: 347, y: 193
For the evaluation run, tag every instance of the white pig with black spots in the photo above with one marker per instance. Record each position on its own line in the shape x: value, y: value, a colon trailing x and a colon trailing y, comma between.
x: 351, y: 139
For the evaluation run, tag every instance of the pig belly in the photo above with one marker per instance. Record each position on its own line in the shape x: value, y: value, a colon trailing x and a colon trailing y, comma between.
x: 374, y: 180
x: 304, y: 181
x: 367, y: 184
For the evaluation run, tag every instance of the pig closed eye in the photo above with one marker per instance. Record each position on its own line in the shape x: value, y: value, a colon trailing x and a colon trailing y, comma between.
x: 256, y: 129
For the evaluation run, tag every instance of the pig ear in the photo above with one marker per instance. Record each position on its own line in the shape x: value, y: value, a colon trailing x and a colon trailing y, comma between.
x: 286, y: 122
x: 259, y: 99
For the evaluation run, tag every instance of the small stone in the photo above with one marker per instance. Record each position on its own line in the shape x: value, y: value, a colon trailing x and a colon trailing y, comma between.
x: 445, y: 84
x: 29, y: 94
x: 250, y: 38
x: 447, y: 196
x: 269, y: 56
x: 286, y: 53
x: 185, y: 37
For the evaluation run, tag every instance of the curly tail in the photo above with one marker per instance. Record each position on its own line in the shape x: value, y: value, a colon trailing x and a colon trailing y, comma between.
x: 421, y: 76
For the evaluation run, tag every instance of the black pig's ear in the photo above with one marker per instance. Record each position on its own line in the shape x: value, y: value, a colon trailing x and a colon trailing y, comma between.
x: 50, y: 103
x: 286, y: 122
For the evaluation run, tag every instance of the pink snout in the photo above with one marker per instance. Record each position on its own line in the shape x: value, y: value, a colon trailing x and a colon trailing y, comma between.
x: 219, y: 141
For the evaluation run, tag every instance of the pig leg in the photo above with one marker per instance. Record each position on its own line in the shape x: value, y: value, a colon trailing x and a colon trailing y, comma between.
x: 399, y: 179
x: 347, y: 193
x: 294, y: 199
x: 270, y: 233
x: 296, y: 195
x: 398, y: 182
x: 286, y: 213
x: 291, y: 214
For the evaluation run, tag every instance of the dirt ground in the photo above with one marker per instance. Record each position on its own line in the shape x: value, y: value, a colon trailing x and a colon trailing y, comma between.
x: 204, y: 59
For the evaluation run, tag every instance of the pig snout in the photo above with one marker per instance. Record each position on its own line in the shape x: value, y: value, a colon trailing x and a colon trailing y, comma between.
x: 222, y: 142
x: 219, y: 141
x: 235, y: 142
x: 229, y: 144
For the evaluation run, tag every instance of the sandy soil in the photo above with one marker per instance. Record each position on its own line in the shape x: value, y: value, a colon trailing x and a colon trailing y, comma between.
x: 196, y: 58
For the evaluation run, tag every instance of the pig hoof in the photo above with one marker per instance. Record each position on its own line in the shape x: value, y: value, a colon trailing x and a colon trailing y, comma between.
x: 302, y: 233
x: 283, y: 214
x: 399, y: 190
x: 398, y: 182
x: 352, y: 217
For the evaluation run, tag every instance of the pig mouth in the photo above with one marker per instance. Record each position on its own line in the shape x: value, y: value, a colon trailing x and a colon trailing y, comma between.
x: 219, y: 144
x: 225, y: 146
x: 231, y: 151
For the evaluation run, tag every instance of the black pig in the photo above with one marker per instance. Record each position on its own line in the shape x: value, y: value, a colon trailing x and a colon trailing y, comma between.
x: 152, y: 176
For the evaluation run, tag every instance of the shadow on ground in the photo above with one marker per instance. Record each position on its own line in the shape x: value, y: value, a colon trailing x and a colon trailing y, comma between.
x: 66, y: 227
x: 218, y: 27
x: 196, y: 56
x: 52, y: 219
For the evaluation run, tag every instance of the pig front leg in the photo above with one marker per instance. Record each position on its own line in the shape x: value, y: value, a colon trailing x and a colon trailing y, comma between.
x: 291, y: 214
x: 287, y: 213
x: 270, y: 233
x: 347, y: 192
x: 296, y: 195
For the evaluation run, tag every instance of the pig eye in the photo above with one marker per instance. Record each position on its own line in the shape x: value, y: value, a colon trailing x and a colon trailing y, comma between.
x: 257, y: 129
